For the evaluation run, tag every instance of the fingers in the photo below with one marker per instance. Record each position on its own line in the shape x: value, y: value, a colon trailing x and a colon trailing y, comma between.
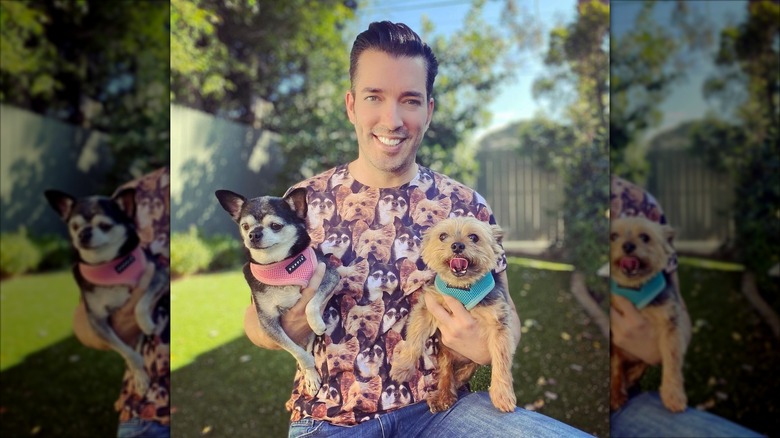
x: 458, y: 309
x: 623, y: 306
x: 437, y: 310
x: 314, y: 282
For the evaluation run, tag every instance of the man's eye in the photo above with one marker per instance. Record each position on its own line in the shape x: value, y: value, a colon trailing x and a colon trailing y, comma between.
x: 413, y: 102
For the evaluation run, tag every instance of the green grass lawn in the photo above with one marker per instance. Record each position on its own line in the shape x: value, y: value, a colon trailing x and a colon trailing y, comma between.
x: 225, y: 386
x: 51, y: 385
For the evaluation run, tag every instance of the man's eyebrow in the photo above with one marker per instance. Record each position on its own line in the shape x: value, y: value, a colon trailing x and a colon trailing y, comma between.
x: 375, y: 90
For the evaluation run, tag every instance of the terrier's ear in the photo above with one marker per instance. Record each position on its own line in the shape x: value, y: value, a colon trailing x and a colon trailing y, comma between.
x: 669, y: 233
x: 231, y: 202
x: 296, y: 199
x: 498, y: 236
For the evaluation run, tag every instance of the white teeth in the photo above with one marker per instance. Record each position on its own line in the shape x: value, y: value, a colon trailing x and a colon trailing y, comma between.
x: 389, y: 141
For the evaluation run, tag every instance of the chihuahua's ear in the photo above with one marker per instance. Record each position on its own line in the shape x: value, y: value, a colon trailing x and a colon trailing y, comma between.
x: 125, y: 198
x: 296, y: 199
x: 61, y: 202
x: 231, y: 202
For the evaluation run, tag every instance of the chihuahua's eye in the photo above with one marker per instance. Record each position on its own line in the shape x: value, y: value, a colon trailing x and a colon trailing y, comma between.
x: 275, y: 226
x: 613, y: 237
x: 474, y: 238
x: 245, y: 227
x: 644, y: 237
x: 443, y: 236
x: 104, y: 226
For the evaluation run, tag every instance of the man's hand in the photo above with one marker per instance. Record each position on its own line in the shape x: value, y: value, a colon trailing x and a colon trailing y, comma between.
x: 462, y: 332
x: 632, y: 332
x: 293, y: 321
x: 122, y: 321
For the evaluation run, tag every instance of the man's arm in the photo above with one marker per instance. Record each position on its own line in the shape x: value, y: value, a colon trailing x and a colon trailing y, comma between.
x: 122, y: 321
x: 461, y: 332
x: 294, y: 321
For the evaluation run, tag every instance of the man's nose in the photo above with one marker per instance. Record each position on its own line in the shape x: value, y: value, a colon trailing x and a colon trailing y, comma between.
x: 391, y: 116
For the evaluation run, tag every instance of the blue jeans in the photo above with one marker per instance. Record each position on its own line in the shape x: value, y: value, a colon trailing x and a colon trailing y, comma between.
x: 472, y: 415
x: 138, y: 428
x: 645, y: 416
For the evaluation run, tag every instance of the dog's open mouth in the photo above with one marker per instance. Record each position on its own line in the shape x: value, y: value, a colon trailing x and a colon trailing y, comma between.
x: 459, y: 266
x: 630, y: 266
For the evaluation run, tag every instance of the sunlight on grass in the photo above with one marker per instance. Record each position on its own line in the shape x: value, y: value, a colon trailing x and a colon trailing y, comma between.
x: 208, y: 311
x: 35, y: 312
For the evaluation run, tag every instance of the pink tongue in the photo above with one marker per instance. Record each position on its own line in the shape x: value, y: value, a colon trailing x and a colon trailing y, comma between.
x: 629, y: 263
x: 459, y: 264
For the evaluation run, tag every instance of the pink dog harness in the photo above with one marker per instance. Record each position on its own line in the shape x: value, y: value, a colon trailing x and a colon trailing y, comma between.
x: 122, y: 270
x: 294, y: 271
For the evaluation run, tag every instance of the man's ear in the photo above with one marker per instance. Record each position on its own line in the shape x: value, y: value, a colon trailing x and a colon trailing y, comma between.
x: 349, y: 101
x: 430, y: 113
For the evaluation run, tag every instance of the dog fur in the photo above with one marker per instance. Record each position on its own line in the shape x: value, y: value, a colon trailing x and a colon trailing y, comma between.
x: 274, y: 229
x: 477, y: 242
x: 647, y: 243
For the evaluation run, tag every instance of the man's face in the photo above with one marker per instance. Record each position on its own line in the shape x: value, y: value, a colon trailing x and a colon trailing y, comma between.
x: 390, y: 111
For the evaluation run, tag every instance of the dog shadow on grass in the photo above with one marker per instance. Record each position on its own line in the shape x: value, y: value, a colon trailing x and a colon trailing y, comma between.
x: 235, y: 390
x: 63, y: 390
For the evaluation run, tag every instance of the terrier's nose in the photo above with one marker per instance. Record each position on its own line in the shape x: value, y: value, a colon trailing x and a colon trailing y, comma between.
x: 629, y: 247
x: 458, y: 247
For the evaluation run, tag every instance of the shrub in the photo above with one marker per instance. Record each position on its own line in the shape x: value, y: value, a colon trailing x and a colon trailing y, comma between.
x: 56, y: 252
x: 18, y: 254
x: 228, y: 252
x: 189, y: 254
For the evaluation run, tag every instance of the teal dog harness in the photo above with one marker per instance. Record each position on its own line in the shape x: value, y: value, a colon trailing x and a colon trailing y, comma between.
x: 643, y: 296
x: 469, y: 297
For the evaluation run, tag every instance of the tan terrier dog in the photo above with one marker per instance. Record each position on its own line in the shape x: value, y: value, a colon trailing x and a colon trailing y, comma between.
x: 639, y: 252
x: 462, y: 251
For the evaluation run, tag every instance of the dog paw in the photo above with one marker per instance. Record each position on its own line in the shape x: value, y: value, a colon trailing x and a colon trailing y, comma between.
x: 674, y: 398
x: 141, y: 380
x: 312, y: 381
x: 317, y: 326
x: 145, y: 322
x: 440, y: 401
x: 503, y: 399
x: 401, y: 371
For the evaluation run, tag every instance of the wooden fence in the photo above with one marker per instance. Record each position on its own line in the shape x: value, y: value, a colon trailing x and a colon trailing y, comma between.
x: 697, y: 201
x: 526, y: 201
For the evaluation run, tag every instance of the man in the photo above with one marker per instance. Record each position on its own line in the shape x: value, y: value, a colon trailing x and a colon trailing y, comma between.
x: 142, y: 415
x: 376, y: 209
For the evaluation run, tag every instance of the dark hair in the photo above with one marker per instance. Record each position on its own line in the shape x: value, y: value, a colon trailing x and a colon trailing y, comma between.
x: 395, y: 39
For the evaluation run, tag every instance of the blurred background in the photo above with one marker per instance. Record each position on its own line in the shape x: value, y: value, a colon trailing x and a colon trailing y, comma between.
x: 695, y: 110
x: 84, y: 107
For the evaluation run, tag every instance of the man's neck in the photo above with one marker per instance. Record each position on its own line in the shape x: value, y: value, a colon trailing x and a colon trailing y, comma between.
x: 381, y: 180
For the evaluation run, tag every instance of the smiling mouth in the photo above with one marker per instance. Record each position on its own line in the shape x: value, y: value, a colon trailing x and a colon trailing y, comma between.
x: 389, y: 141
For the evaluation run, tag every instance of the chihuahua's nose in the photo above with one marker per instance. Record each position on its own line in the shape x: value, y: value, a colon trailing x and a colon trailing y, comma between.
x: 85, y: 235
x: 458, y: 247
x: 256, y: 234
x: 629, y: 247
